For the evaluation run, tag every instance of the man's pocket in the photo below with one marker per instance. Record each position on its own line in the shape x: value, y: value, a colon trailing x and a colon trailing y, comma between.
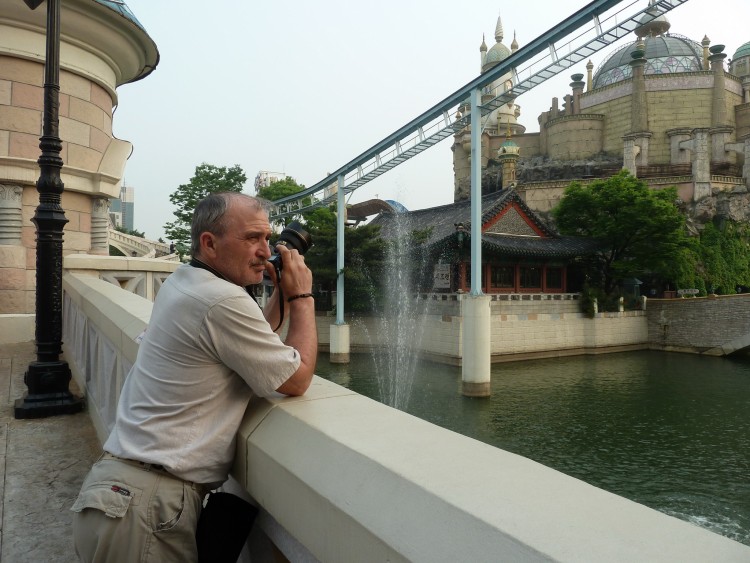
x: 113, y: 498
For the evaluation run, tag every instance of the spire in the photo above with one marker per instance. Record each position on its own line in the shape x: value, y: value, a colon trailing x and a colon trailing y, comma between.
x: 499, y: 30
x: 482, y: 54
x: 657, y: 26
x: 514, y: 45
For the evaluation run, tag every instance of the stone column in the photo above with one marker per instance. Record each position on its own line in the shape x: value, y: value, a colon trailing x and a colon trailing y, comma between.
x: 635, y: 149
x: 577, y: 86
x: 639, y: 107
x: 718, y: 101
x: 13, y: 289
x: 100, y: 226
x: 701, y: 159
x: 721, y: 132
x: 743, y: 148
x: 10, y: 214
x: 554, y: 110
x: 589, y: 76
x: 630, y: 153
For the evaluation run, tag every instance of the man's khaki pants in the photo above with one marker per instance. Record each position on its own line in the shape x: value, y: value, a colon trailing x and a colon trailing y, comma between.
x: 130, y: 512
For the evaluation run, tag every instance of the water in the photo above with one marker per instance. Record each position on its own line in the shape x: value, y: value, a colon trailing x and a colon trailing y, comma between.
x: 398, y: 335
x: 670, y: 431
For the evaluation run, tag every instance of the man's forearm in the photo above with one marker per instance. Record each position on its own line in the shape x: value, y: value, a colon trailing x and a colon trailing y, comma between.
x: 303, y: 337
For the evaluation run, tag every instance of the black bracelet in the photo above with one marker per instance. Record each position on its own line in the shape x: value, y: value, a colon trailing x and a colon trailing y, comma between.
x: 293, y: 297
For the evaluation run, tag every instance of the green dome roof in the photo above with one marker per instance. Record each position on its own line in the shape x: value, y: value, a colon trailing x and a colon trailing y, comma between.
x: 665, y: 54
x: 743, y: 51
x: 497, y: 53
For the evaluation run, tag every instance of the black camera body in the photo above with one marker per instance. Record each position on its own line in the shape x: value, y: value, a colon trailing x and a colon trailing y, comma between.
x: 294, y: 237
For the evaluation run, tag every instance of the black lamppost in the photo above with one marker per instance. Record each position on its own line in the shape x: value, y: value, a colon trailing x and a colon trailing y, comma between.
x: 48, y: 378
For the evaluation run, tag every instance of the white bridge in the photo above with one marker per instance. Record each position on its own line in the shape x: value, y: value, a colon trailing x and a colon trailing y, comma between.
x: 131, y: 245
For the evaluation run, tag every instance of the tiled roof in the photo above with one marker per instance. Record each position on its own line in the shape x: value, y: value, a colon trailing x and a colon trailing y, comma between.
x: 442, y: 221
x: 556, y: 247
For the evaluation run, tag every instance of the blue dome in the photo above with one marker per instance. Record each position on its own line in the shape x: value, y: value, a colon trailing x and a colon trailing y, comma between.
x: 397, y: 207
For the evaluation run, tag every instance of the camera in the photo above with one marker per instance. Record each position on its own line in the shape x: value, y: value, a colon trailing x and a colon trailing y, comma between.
x: 294, y: 237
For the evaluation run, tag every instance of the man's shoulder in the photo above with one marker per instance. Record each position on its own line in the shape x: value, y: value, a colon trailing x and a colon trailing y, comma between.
x: 203, y: 286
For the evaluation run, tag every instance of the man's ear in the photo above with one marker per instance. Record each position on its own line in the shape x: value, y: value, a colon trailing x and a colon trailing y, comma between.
x: 207, y: 244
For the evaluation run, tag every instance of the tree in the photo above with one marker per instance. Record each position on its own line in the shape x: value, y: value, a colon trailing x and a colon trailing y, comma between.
x: 283, y: 188
x: 722, y: 263
x: 280, y: 188
x: 641, y: 231
x: 207, y: 179
x: 363, y: 259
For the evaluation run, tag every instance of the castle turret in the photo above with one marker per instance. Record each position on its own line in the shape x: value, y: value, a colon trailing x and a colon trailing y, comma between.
x: 508, y: 154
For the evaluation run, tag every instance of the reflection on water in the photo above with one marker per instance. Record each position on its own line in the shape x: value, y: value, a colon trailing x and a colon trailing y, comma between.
x: 670, y: 431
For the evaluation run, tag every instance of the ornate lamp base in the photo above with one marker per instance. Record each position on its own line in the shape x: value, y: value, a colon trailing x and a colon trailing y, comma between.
x: 48, y: 392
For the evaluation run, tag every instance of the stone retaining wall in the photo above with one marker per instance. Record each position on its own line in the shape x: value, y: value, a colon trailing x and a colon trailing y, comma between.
x: 715, y: 325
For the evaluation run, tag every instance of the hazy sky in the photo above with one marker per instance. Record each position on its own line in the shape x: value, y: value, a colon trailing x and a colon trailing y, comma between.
x: 304, y: 87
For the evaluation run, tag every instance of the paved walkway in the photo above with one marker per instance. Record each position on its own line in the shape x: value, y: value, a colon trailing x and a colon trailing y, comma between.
x: 42, y: 465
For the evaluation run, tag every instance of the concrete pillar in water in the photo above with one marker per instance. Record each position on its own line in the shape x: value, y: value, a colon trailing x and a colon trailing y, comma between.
x: 475, y: 366
x: 339, y: 347
x: 339, y: 343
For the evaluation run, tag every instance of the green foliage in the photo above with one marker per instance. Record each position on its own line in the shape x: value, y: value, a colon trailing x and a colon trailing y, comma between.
x: 206, y: 180
x: 283, y: 188
x: 722, y: 261
x: 114, y: 251
x: 280, y: 188
x: 363, y: 275
x: 641, y: 231
x: 589, y: 297
x: 363, y: 257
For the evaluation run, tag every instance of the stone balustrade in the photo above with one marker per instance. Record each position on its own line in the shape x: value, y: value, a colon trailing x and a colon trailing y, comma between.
x: 142, y: 276
x: 340, y: 477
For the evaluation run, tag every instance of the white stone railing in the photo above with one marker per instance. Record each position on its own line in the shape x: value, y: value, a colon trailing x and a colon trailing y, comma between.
x: 342, y: 478
x: 142, y: 276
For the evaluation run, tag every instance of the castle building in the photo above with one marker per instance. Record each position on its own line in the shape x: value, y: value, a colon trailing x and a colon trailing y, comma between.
x: 665, y: 107
x: 102, y: 46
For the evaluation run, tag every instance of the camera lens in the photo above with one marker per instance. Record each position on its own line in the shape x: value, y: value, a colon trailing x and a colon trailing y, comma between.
x: 294, y: 237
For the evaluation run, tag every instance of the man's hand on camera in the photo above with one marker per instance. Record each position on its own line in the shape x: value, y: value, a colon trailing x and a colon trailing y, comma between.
x: 296, y: 277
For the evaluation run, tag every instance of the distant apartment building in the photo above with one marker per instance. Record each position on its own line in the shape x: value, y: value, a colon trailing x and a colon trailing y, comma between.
x: 264, y: 178
x: 122, y: 209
